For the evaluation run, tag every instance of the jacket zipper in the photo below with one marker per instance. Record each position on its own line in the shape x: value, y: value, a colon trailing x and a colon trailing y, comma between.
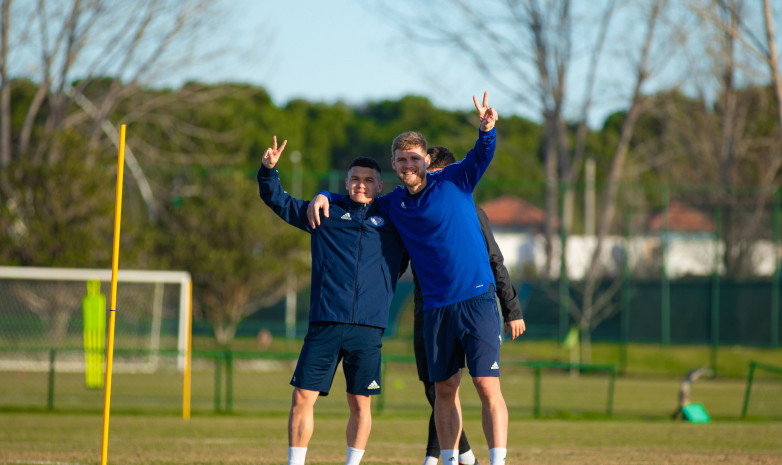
x: 358, y: 265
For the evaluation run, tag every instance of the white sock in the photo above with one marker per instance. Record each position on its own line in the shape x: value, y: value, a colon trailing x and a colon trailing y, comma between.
x: 497, y: 455
x: 354, y: 456
x: 467, y: 458
x: 450, y: 456
x: 429, y: 460
x: 296, y: 455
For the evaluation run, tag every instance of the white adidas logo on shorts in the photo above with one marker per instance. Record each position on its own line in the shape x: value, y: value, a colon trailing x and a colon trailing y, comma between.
x: 496, y: 366
x: 373, y: 385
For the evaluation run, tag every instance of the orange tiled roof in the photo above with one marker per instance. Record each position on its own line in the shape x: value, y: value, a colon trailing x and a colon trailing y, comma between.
x: 513, y: 211
x: 683, y: 219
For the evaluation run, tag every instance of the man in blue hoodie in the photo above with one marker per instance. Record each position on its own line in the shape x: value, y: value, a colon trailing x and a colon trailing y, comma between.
x: 356, y: 260
x: 440, y: 157
x: 435, y: 215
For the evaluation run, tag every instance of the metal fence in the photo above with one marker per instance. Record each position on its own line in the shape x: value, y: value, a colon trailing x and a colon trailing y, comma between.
x: 258, y: 383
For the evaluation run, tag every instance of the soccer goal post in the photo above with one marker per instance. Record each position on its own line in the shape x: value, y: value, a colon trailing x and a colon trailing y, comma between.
x: 42, y: 308
x: 763, y: 392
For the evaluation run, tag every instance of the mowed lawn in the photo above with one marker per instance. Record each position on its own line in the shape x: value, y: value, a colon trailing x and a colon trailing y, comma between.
x: 74, y: 438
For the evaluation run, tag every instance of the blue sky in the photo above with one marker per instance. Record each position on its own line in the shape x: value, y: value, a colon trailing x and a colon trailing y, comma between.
x: 337, y: 50
x: 346, y: 50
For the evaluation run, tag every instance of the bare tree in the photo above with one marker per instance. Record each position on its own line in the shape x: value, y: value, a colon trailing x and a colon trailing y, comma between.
x: 552, y: 44
x: 69, y: 47
x: 724, y: 145
x: 772, y: 57
x: 5, y: 91
x: 579, y: 145
x: 74, y: 69
x: 526, y: 49
x: 239, y: 263
x: 539, y: 41
x: 591, y: 314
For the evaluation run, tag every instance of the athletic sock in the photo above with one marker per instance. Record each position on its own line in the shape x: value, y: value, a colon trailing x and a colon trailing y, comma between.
x: 450, y: 456
x: 467, y: 458
x: 497, y: 455
x: 354, y: 456
x: 296, y: 455
x: 429, y: 460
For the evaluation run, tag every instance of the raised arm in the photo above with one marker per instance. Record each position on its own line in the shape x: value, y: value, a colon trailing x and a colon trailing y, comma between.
x: 467, y: 172
x: 487, y: 114
x: 290, y: 209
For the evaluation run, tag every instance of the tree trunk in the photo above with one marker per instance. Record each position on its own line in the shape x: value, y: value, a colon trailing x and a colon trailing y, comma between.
x: 608, y: 204
x: 5, y: 90
x: 773, y: 58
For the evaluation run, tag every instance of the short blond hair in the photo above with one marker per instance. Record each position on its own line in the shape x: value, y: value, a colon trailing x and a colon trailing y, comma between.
x: 408, y: 140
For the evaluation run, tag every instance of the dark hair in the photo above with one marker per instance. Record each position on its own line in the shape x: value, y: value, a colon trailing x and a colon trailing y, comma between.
x: 365, y: 162
x: 439, y: 157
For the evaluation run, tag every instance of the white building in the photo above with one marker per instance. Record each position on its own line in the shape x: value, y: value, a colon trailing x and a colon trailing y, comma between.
x: 691, y: 248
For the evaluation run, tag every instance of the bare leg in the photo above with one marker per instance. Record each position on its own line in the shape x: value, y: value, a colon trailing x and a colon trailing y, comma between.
x: 448, y: 412
x: 360, y: 421
x: 432, y: 443
x: 301, y: 420
x: 494, y: 412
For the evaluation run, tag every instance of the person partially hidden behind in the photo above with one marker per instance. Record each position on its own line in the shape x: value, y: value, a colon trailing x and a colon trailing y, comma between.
x: 356, y: 259
x: 440, y: 157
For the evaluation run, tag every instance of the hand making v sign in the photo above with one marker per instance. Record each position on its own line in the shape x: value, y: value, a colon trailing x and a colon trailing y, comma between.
x: 272, y: 154
x: 488, y: 115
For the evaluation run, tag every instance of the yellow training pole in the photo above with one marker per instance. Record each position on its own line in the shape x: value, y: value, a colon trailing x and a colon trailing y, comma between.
x: 188, y: 354
x: 113, y: 307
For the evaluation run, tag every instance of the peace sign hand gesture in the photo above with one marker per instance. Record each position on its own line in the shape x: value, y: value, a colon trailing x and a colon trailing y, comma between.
x: 272, y: 154
x: 488, y: 115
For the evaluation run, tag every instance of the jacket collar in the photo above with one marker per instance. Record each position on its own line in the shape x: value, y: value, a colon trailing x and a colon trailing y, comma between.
x: 348, y: 204
x: 410, y: 199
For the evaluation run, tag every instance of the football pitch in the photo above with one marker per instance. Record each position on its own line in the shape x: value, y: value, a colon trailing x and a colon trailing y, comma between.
x: 75, y: 438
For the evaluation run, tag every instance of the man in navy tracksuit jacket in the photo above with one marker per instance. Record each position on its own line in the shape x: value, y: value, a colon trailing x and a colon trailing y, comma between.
x: 435, y: 215
x: 356, y: 260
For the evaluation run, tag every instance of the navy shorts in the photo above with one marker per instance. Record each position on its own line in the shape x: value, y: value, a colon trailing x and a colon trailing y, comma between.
x: 470, y: 329
x: 326, y: 344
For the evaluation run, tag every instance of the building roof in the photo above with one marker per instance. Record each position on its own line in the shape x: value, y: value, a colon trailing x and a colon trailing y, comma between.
x: 509, y: 211
x: 682, y: 218
x: 513, y: 212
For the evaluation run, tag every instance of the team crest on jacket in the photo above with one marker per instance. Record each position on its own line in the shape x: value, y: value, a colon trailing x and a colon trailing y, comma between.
x: 377, y: 221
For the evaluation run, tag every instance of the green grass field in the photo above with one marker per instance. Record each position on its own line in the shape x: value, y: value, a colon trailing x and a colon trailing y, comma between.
x: 44, y: 438
x: 146, y: 425
x: 266, y: 391
x: 573, y: 428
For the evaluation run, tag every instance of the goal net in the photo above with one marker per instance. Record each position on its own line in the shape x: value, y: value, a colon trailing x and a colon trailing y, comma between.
x: 43, y: 309
x: 763, y: 394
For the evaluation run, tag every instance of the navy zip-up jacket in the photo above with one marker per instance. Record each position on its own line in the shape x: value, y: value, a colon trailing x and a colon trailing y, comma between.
x: 356, y: 256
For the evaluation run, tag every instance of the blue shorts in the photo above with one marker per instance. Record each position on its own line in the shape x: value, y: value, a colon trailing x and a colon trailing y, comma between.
x: 471, y: 329
x: 326, y: 344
